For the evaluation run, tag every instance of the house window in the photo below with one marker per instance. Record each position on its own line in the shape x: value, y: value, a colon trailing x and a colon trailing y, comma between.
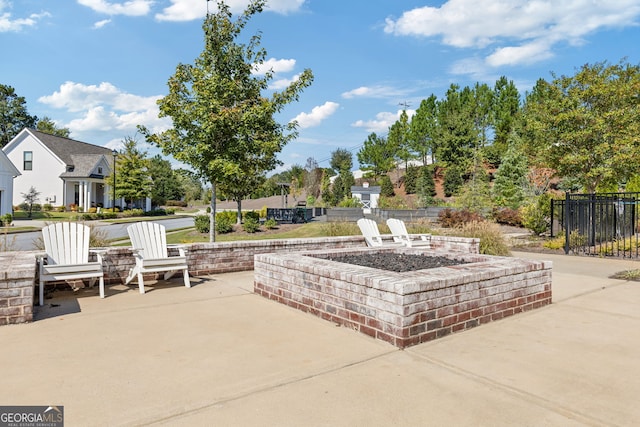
x: 28, y: 161
x: 100, y: 170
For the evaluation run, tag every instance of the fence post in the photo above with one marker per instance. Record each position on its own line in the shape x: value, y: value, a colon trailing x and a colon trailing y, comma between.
x: 566, y: 222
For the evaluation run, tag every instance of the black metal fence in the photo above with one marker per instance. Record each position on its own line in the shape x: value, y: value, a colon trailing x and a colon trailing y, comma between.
x: 603, y: 224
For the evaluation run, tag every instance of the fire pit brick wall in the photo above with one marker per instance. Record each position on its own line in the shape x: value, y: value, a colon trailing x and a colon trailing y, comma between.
x: 409, y: 308
x: 17, y: 272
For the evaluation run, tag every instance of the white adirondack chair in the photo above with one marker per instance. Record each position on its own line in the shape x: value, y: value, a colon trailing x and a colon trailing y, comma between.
x: 67, y: 256
x: 371, y: 233
x: 401, y: 235
x: 149, y: 241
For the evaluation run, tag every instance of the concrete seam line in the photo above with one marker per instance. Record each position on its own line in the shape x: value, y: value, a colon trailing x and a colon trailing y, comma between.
x: 535, y: 399
x: 268, y: 388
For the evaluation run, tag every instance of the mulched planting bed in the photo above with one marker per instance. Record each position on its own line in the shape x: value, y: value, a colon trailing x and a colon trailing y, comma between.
x: 397, y: 262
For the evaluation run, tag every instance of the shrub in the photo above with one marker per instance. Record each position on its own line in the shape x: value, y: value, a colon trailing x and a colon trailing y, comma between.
x: 229, y: 216
x: 156, y: 212
x: 133, y: 212
x: 450, y: 218
x: 61, y: 209
x: 263, y: 211
x: 392, y: 202
x: 88, y: 216
x: 179, y: 203
x: 201, y: 222
x: 170, y: 211
x: 251, y: 215
x: 557, y: 243
x: 47, y: 207
x: 93, y: 210
x: 452, y: 180
x: 271, y: 224
x: 6, y: 219
x: 508, y: 216
x: 536, y: 214
x: 224, y: 224
x: 386, y: 187
x: 250, y: 225
x: 491, y: 238
x: 107, y: 215
x: 352, y: 202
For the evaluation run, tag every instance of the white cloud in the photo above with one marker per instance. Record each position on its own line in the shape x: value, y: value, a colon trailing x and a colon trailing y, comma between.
x: 9, y: 24
x: 522, y: 31
x: 317, y: 115
x: 104, y: 107
x: 378, y: 91
x: 382, y: 122
x: 283, y: 83
x: 129, y: 8
x: 101, y: 24
x: 275, y: 65
x: 187, y: 10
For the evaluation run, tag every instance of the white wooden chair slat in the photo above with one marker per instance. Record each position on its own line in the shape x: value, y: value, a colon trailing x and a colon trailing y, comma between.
x: 401, y: 235
x: 371, y: 233
x: 67, y: 256
x: 149, y: 242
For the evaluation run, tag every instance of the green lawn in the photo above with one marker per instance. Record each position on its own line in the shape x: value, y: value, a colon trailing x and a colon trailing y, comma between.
x: 311, y: 229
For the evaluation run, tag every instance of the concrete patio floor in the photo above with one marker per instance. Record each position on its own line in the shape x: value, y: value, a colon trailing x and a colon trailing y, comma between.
x: 217, y: 354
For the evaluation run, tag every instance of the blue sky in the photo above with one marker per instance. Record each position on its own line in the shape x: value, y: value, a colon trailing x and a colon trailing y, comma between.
x: 97, y: 67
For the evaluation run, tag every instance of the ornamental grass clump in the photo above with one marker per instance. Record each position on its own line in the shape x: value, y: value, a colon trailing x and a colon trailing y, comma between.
x: 492, y: 241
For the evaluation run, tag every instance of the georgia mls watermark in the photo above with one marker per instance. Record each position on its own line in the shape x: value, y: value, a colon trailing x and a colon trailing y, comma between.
x: 31, y: 416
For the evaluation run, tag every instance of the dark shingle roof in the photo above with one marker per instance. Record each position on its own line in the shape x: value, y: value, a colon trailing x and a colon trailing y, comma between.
x: 83, y: 165
x: 65, y: 147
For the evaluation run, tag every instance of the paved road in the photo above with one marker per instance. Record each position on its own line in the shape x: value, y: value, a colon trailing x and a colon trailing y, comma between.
x: 26, y: 241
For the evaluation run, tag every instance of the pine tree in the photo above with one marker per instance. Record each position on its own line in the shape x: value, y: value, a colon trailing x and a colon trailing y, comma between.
x: 386, y: 187
x: 509, y: 187
x: 426, y: 187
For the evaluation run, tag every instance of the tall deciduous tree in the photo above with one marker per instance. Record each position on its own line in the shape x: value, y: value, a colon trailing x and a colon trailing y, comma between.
x: 13, y: 114
x: 166, y: 185
x: 222, y: 122
x: 587, y: 125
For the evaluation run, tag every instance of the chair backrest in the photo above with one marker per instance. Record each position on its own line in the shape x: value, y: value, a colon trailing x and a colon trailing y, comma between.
x: 150, y: 238
x: 398, y: 229
x: 369, y: 230
x: 66, y: 243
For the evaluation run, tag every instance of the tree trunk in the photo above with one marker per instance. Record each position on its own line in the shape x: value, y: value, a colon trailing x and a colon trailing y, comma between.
x: 239, y: 215
x: 212, y: 215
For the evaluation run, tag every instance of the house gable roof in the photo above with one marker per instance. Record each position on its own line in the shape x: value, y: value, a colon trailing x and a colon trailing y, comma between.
x: 85, y: 165
x: 64, y: 148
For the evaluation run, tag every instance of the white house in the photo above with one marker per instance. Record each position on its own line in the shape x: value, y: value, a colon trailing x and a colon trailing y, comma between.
x: 8, y: 172
x: 64, y: 171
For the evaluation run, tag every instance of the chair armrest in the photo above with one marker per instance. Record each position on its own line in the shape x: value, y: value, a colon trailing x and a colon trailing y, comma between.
x: 99, y: 252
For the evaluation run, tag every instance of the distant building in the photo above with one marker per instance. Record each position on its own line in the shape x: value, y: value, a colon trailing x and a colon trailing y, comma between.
x: 64, y: 171
x: 368, y: 196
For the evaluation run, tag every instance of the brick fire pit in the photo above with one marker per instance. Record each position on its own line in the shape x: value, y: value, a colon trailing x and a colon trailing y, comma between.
x: 405, y: 308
